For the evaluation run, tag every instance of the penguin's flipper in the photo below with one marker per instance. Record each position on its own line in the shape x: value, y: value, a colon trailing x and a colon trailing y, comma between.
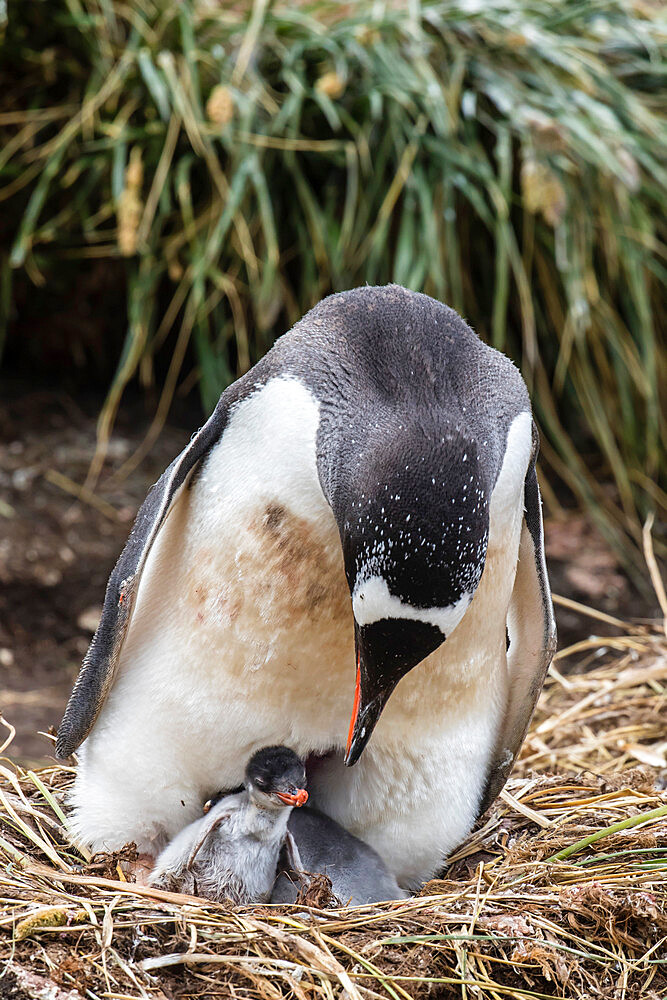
x: 98, y: 668
x: 209, y: 828
x: 292, y: 856
x: 532, y: 632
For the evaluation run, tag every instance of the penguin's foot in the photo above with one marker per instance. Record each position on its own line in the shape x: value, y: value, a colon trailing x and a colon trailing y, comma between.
x: 138, y: 869
x: 126, y: 864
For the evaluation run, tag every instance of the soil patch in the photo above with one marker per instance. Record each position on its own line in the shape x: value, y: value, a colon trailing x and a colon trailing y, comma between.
x: 56, y: 552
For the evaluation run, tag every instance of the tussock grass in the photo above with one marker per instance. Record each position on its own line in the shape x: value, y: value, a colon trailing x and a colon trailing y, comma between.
x: 559, y: 892
x: 246, y: 159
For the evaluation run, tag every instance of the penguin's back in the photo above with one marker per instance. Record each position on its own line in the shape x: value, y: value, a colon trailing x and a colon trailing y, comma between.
x: 388, y: 345
x: 398, y: 374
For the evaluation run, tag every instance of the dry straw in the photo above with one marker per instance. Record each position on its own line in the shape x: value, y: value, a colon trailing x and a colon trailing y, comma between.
x: 559, y: 892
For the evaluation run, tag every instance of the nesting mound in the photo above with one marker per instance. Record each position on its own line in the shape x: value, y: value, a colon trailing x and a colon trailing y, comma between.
x: 559, y: 892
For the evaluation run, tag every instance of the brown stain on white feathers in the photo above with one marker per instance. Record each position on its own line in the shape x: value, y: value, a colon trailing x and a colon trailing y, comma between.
x: 303, y: 574
x: 282, y: 569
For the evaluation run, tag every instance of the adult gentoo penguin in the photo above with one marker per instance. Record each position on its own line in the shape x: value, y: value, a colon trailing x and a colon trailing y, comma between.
x: 354, y: 531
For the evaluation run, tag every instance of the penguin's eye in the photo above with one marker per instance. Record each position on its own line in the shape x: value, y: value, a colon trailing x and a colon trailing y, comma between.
x: 261, y: 782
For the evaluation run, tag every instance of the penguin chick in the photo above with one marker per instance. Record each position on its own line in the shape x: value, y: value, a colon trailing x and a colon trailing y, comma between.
x: 232, y: 851
x: 357, y: 873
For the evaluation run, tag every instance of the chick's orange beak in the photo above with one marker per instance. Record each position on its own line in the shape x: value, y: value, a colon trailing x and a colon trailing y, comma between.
x: 298, y: 799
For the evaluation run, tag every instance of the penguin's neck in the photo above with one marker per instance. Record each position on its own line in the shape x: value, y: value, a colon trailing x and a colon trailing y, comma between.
x: 265, y: 824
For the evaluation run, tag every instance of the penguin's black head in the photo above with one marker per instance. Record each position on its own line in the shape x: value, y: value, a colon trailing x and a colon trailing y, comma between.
x: 276, y: 777
x: 414, y: 527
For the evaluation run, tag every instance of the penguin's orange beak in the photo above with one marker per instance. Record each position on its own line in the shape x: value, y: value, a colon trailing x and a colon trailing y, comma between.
x: 386, y: 651
x: 355, y: 709
x: 298, y: 799
x: 365, y: 713
x: 370, y: 698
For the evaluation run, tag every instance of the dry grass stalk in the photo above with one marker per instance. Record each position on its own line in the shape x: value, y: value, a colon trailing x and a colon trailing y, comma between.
x: 513, y: 917
x: 130, y: 206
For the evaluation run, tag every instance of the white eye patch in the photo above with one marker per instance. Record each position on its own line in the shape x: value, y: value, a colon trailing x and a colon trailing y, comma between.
x: 373, y: 601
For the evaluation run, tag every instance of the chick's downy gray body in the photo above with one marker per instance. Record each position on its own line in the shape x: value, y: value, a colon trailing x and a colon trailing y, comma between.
x: 232, y: 851
x: 237, y: 860
x: 357, y: 873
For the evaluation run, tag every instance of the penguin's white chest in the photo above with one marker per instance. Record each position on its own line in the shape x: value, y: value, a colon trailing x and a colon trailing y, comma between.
x: 264, y: 584
x: 251, y: 570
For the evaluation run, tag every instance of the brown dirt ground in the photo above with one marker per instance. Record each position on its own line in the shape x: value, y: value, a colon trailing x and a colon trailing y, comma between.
x: 56, y: 552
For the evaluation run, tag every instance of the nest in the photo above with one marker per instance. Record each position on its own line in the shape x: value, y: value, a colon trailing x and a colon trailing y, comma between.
x: 560, y: 890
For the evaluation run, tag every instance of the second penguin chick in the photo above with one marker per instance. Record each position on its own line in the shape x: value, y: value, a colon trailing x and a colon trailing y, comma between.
x: 232, y: 851
x: 357, y: 873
